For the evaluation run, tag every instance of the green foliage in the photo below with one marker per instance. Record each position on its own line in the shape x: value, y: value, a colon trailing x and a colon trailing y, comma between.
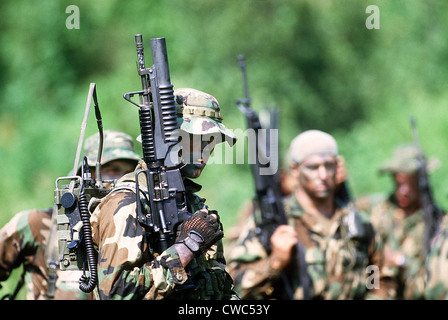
x: 314, y: 59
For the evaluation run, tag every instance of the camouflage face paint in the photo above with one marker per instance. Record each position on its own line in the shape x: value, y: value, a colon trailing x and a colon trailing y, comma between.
x: 317, y: 175
x: 200, y: 148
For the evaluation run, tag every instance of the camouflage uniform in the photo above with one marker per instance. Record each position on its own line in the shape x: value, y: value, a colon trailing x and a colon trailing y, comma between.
x: 338, y: 251
x: 404, y: 235
x: 337, y: 265
x: 400, y: 233
x: 128, y: 268
x: 27, y: 239
x: 24, y: 240
x: 437, y: 265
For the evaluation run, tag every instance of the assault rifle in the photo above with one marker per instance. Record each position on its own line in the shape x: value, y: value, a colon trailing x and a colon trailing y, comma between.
x: 268, y: 197
x: 159, y: 134
x: 267, y: 187
x: 431, y: 212
x: 76, y: 249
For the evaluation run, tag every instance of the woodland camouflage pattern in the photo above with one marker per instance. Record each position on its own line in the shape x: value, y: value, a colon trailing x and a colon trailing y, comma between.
x: 406, y: 236
x: 404, y: 159
x: 116, y: 145
x: 400, y: 233
x: 437, y: 265
x: 127, y: 267
x: 24, y: 240
x: 199, y: 113
x: 336, y: 265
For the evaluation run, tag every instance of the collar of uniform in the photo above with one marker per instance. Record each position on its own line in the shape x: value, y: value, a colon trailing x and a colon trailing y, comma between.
x: 191, y: 186
x: 409, y: 221
x: 126, y: 179
x: 294, y: 209
x: 316, y: 223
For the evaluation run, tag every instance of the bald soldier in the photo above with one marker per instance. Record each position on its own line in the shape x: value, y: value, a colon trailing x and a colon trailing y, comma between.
x: 29, y: 239
x: 129, y: 265
x: 341, y: 250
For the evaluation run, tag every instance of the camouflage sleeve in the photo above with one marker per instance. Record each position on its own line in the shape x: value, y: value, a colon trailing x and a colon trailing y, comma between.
x: 19, y: 239
x: 387, y: 285
x: 250, y: 267
x: 125, y: 269
x: 436, y: 265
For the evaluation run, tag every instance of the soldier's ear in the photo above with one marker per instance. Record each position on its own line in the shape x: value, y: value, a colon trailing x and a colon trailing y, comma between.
x: 295, y: 170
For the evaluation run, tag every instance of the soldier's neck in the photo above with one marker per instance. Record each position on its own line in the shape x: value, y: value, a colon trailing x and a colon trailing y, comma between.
x: 318, y: 206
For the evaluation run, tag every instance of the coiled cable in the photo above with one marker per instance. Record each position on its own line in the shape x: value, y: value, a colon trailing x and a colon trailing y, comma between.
x: 87, y: 284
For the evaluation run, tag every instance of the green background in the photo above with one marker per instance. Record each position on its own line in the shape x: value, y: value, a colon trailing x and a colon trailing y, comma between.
x: 313, y: 59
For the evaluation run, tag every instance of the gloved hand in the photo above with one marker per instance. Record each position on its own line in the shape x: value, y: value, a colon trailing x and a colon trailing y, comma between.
x: 200, y: 232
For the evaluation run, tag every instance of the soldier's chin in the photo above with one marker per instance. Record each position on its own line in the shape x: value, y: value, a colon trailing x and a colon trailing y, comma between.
x: 192, y: 171
x: 403, y: 202
x: 195, y: 174
x: 322, y: 194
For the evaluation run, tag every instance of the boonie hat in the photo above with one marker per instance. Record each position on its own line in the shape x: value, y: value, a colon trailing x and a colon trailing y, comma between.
x: 116, y: 145
x: 405, y: 160
x: 199, y: 113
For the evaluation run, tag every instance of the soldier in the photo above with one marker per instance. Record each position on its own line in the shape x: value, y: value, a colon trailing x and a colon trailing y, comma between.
x: 399, y: 220
x: 339, y: 243
x: 287, y: 184
x: 194, y: 266
x: 30, y: 237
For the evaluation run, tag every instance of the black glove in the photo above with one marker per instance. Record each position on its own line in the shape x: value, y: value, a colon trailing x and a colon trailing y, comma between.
x: 200, y: 232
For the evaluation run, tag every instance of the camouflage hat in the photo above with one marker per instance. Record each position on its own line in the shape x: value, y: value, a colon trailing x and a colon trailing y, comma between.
x: 311, y: 142
x: 199, y: 113
x: 405, y: 160
x: 116, y: 145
